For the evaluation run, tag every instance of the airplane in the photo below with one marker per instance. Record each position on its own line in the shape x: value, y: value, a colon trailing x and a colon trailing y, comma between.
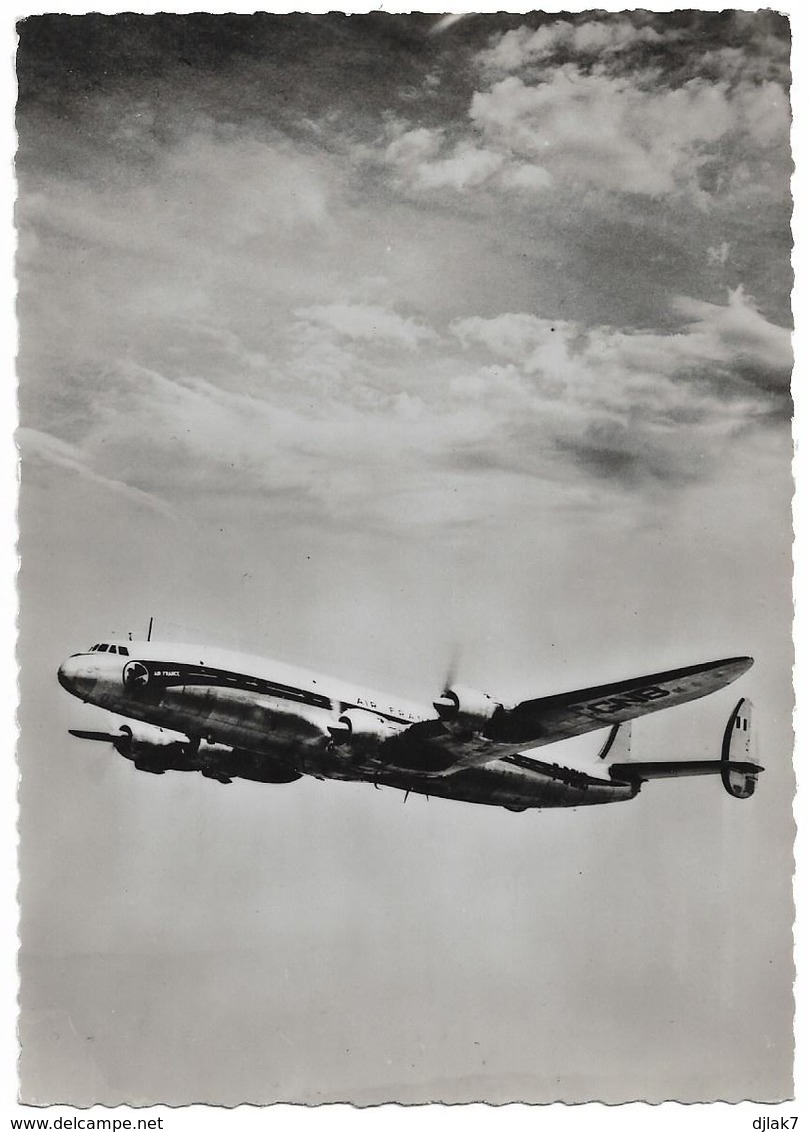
x: 228, y: 715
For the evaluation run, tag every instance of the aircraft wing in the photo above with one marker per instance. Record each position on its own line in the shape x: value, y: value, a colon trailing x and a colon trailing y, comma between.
x: 551, y: 718
x: 445, y: 746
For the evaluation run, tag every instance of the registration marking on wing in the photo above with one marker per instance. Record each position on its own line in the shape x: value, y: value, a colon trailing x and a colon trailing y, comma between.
x: 629, y: 699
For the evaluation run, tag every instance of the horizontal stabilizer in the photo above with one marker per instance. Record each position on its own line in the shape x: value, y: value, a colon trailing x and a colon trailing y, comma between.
x: 643, y: 772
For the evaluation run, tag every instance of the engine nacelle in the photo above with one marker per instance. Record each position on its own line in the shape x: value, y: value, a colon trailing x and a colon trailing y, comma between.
x: 145, y: 738
x: 459, y: 700
x: 358, y: 724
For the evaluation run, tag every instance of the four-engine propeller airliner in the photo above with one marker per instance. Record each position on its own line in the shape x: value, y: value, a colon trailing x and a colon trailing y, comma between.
x: 228, y: 715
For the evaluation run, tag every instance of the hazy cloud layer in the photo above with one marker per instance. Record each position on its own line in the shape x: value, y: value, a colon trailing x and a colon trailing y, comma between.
x: 353, y: 416
x: 181, y: 358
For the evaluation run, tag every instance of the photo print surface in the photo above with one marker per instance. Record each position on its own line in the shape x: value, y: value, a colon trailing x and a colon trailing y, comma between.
x: 423, y: 353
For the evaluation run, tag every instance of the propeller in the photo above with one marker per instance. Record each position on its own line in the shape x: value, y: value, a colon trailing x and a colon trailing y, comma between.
x: 447, y: 703
x: 97, y: 763
x: 96, y: 736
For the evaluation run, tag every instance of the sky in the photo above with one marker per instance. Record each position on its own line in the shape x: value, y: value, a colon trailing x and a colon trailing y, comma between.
x: 380, y: 344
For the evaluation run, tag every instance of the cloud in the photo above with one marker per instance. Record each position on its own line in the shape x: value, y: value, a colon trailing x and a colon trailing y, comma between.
x: 733, y: 335
x: 363, y: 416
x: 36, y: 447
x: 437, y: 437
x: 643, y: 406
x: 536, y: 345
x: 719, y: 254
x: 738, y: 336
x: 594, y: 129
x: 467, y: 167
x: 515, y: 49
x: 628, y: 105
x: 591, y: 129
x: 618, y: 451
x: 736, y: 46
x: 425, y: 160
x: 369, y: 323
x: 412, y: 147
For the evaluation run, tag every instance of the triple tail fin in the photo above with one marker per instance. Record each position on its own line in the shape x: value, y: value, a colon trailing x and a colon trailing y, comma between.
x: 739, y: 775
x: 619, y: 742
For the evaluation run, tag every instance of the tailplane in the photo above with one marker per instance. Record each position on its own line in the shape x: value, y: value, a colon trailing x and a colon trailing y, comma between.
x: 739, y: 775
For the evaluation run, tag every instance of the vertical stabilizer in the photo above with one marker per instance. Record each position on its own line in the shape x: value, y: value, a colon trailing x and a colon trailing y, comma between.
x: 736, y: 747
x: 619, y: 742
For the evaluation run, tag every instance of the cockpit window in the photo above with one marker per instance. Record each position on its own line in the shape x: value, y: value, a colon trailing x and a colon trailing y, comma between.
x: 103, y: 648
x: 123, y: 650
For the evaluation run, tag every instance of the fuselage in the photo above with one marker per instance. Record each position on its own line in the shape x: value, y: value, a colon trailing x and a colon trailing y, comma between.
x: 285, y: 716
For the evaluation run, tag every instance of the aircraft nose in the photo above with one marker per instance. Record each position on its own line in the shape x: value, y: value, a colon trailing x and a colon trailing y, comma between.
x: 65, y: 675
x: 72, y: 679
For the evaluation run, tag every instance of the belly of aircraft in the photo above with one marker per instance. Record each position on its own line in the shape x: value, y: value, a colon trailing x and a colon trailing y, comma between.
x: 500, y: 784
x: 259, y: 724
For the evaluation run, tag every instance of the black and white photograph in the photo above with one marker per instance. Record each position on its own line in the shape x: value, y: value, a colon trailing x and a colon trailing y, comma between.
x: 405, y: 558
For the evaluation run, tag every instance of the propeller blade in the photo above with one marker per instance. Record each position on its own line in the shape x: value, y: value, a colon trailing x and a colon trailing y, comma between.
x: 446, y: 705
x: 452, y: 667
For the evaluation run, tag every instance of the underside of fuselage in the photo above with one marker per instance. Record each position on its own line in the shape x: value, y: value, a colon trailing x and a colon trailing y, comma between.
x: 258, y: 742
x: 499, y: 783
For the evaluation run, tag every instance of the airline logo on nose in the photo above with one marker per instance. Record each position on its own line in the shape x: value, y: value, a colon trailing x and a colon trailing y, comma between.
x: 136, y: 675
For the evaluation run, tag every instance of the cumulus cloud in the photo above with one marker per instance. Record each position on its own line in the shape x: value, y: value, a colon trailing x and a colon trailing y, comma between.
x: 737, y: 46
x: 595, y: 129
x: 521, y: 46
x: 536, y: 345
x: 466, y: 167
x: 633, y: 406
x: 592, y: 129
x: 425, y: 159
x: 732, y: 335
x: 615, y: 111
x: 412, y: 147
